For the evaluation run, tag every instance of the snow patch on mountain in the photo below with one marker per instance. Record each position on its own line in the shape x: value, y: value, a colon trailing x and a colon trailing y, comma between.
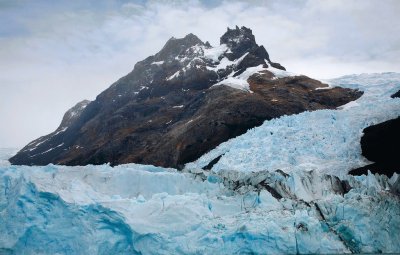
x: 240, y: 81
x: 214, y: 53
x: 35, y: 145
x: 225, y: 62
x: 158, y: 63
x: 280, y: 73
x: 60, y: 131
x: 201, y: 56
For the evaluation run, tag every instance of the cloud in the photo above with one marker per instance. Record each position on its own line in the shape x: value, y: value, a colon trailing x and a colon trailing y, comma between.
x: 53, y: 56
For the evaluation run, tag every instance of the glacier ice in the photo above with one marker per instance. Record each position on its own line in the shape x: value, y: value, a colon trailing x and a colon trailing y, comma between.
x: 324, y: 140
x: 39, y: 222
x: 135, y: 209
x: 244, y: 204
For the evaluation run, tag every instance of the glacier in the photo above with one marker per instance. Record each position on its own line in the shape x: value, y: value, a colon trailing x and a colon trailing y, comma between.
x: 280, y: 188
x: 327, y: 141
x: 134, y: 209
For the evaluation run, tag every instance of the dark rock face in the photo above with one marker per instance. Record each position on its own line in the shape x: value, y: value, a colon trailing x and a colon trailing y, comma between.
x: 73, y: 114
x: 167, y: 112
x: 397, y: 94
x: 381, y: 144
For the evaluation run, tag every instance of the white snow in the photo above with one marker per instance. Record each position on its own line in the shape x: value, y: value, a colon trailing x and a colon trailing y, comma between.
x: 202, y: 54
x: 37, y: 144
x: 158, y: 63
x: 225, y: 62
x: 60, y: 131
x: 214, y: 53
x: 175, y: 75
x: 49, y: 149
x: 196, y: 50
x: 280, y: 73
x: 194, y: 63
x: 322, y: 88
x: 240, y: 81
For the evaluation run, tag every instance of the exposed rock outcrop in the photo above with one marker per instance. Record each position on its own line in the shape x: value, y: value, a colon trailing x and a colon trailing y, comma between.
x: 395, y: 95
x: 381, y: 144
x: 180, y: 103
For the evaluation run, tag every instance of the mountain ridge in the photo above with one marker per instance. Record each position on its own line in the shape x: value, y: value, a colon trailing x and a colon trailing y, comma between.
x: 182, y: 102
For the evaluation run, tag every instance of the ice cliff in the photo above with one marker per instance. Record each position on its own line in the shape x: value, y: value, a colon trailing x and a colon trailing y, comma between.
x: 134, y: 209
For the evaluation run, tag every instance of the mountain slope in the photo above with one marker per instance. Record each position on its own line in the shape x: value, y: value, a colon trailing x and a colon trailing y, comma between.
x: 181, y: 103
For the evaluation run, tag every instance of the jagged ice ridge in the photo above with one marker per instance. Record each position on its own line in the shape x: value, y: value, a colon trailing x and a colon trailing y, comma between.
x: 134, y: 209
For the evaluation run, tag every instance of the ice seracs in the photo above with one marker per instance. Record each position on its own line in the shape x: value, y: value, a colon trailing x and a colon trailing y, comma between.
x: 142, y: 209
x: 326, y: 140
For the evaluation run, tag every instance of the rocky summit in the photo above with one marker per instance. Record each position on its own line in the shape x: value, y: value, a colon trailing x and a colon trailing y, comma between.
x: 180, y: 103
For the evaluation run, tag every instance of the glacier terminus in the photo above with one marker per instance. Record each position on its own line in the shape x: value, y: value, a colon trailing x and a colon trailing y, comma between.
x: 291, y: 193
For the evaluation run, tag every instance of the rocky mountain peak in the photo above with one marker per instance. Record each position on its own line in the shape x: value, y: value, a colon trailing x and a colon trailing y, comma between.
x: 179, y: 103
x: 239, y: 41
x: 237, y: 36
x: 176, y: 46
x: 189, y: 63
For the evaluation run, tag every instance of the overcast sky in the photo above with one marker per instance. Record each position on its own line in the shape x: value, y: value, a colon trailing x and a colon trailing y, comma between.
x: 54, y: 54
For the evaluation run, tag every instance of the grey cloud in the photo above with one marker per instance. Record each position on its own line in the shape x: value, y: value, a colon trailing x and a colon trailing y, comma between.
x: 52, y: 56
